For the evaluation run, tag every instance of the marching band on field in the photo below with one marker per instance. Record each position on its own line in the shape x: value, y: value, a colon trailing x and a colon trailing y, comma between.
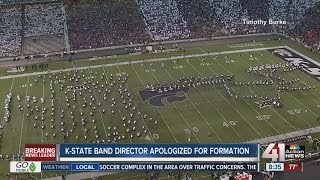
x: 86, y: 100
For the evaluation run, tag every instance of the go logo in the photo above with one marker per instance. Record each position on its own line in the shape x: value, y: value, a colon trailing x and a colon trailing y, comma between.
x: 22, y: 164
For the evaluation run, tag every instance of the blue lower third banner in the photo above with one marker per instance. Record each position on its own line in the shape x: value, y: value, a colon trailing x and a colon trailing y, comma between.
x: 158, y: 153
x: 215, y: 166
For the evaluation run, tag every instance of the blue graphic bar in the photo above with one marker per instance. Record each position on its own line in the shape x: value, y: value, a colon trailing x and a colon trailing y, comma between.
x: 85, y: 167
x: 51, y: 166
x: 158, y: 150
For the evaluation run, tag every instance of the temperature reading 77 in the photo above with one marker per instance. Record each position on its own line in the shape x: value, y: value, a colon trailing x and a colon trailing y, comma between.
x: 293, y: 166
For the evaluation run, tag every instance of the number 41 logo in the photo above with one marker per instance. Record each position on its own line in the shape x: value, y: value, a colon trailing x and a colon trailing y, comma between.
x: 275, y: 152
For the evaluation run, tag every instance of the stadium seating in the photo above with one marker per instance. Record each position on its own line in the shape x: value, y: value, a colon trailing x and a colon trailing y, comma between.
x: 43, y: 19
x: 114, y: 23
x: 10, y: 30
x: 201, y: 18
x: 43, y: 28
x: 105, y: 23
x: 307, y: 29
x: 290, y: 11
x: 164, y: 19
x: 232, y: 13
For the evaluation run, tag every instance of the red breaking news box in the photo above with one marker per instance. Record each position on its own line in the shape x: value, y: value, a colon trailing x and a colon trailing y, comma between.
x: 40, y: 152
x: 293, y: 167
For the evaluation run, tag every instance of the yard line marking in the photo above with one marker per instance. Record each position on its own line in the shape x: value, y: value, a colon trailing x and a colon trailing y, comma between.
x: 43, y: 77
x: 3, y: 123
x: 144, y: 122
x: 127, y: 133
x: 119, y: 110
x: 102, y: 119
x: 78, y: 101
x: 24, y: 110
x: 272, y: 108
x: 229, y: 102
x: 300, y: 101
x: 249, y: 103
x: 156, y: 108
x: 306, y: 57
x: 138, y: 75
x: 180, y: 114
x: 197, y: 108
x: 216, y: 109
x: 11, y: 84
x: 60, y: 98
x: 150, y: 134
x: 148, y: 129
x: 305, y: 107
x: 174, y: 137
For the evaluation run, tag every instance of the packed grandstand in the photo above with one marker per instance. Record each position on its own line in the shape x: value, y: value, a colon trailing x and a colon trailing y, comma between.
x: 38, y: 27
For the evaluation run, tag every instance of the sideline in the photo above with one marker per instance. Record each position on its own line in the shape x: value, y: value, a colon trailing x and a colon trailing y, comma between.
x: 141, y: 61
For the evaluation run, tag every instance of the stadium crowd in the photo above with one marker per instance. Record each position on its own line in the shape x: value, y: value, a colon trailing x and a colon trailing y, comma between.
x: 164, y: 19
x: 308, y: 29
x: 232, y: 13
x: 10, y: 30
x: 201, y: 19
x: 228, y: 14
x: 290, y: 11
x: 43, y: 19
x: 105, y: 23
x: 114, y: 22
x: 302, y: 19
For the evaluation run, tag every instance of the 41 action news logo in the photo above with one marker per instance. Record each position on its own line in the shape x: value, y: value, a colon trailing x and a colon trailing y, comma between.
x: 281, y: 152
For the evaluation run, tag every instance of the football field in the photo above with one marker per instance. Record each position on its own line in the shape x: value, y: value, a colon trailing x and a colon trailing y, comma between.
x: 225, y: 97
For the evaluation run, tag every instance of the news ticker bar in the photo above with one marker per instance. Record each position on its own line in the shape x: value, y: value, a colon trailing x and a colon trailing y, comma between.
x: 37, y: 167
x: 143, y: 152
x: 286, y: 167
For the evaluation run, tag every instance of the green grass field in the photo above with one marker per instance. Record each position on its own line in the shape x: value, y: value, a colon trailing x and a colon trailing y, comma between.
x: 205, y: 109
